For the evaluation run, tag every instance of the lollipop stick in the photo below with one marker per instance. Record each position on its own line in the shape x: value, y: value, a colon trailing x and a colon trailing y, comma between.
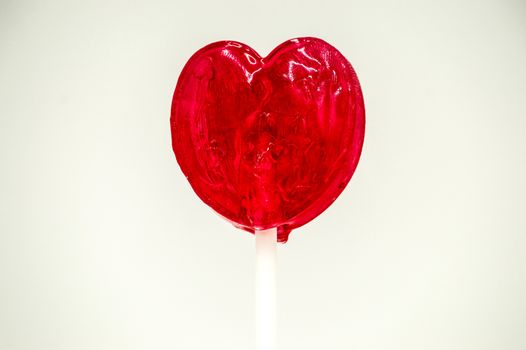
x: 266, y: 242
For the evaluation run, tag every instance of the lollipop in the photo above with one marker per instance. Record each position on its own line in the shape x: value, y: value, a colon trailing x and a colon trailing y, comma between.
x: 269, y: 143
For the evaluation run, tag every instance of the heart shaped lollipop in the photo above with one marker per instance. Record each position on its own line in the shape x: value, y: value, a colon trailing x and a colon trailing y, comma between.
x: 268, y: 142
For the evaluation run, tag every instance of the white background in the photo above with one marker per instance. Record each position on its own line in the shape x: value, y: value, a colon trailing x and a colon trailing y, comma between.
x: 103, y: 244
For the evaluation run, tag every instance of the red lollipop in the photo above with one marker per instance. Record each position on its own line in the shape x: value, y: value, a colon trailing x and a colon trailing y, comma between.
x: 268, y: 142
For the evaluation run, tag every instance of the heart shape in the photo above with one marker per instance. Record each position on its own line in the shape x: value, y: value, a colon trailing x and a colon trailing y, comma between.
x: 268, y: 142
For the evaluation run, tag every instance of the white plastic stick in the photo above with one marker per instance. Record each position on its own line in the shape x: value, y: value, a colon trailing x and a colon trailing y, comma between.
x: 266, y: 242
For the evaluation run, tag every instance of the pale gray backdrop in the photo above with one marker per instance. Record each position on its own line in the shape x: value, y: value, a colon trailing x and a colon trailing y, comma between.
x: 103, y: 245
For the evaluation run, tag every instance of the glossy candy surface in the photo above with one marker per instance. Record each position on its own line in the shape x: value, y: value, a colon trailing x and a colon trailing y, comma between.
x: 268, y: 142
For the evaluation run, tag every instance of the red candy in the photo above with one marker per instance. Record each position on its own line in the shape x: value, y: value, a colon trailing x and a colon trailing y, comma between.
x: 268, y: 142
